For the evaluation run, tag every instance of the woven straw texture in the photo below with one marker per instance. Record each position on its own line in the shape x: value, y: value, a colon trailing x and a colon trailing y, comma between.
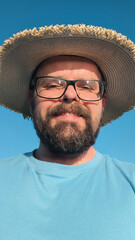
x: 112, y: 52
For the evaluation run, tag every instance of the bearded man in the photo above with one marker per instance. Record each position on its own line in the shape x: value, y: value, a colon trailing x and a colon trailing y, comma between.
x: 70, y: 80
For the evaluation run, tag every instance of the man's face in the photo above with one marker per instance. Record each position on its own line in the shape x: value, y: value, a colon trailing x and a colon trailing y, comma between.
x: 68, y: 124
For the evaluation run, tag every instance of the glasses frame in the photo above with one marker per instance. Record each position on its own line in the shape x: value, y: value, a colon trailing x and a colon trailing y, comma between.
x: 68, y: 82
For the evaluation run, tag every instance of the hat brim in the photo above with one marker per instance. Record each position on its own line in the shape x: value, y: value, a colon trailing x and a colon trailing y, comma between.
x: 23, y: 53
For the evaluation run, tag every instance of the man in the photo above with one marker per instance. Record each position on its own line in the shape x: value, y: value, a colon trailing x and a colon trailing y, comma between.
x: 71, y: 80
x: 66, y: 124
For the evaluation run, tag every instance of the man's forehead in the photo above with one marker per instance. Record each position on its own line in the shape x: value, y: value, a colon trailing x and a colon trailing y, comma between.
x: 66, y: 58
x: 64, y: 61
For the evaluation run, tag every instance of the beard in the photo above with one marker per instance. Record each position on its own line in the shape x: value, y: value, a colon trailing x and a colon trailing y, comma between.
x: 65, y: 137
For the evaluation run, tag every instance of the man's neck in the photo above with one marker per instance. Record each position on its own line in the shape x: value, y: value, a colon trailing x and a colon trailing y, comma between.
x: 44, y: 154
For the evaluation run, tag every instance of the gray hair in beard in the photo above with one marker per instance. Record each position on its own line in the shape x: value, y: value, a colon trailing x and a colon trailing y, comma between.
x: 56, y: 139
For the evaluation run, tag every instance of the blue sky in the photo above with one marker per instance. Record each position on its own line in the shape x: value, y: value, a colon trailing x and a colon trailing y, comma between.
x: 18, y: 135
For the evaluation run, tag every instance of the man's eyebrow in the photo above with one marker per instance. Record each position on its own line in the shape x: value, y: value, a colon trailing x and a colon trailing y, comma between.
x: 58, y: 76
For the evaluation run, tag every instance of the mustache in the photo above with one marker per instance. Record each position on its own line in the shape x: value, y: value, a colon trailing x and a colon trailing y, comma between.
x: 75, y: 108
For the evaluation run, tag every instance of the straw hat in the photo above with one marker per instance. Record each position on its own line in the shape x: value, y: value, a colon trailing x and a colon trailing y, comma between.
x: 112, y: 52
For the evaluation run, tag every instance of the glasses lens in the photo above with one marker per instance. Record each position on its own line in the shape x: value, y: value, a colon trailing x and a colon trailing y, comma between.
x: 50, y: 87
x: 90, y: 89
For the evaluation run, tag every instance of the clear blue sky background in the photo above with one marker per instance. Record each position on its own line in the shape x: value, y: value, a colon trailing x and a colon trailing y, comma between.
x: 18, y: 135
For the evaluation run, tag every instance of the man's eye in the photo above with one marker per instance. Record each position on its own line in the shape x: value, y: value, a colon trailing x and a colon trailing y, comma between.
x: 51, y: 86
x: 86, y: 87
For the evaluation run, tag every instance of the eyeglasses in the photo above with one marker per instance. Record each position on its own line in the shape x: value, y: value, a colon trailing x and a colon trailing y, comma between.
x: 55, y: 87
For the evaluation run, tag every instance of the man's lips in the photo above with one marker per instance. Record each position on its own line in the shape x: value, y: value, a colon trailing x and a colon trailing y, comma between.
x: 70, y: 116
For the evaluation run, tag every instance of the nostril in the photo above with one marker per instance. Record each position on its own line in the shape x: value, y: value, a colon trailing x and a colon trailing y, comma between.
x: 68, y: 99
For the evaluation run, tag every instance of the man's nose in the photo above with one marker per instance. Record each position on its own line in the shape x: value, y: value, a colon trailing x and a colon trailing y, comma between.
x: 70, y: 94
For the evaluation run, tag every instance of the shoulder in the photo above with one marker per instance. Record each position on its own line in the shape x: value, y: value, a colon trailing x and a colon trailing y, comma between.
x: 15, y: 158
x: 118, y: 164
x: 14, y: 162
x: 119, y: 169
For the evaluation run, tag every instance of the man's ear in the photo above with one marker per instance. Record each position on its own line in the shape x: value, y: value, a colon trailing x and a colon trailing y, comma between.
x: 104, y: 100
x: 30, y: 96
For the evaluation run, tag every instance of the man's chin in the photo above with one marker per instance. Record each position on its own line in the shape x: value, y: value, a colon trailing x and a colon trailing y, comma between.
x: 80, y: 123
x: 66, y: 138
x: 67, y: 129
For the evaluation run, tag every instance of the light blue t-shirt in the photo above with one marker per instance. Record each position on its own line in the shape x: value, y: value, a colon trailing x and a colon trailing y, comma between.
x: 50, y: 201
